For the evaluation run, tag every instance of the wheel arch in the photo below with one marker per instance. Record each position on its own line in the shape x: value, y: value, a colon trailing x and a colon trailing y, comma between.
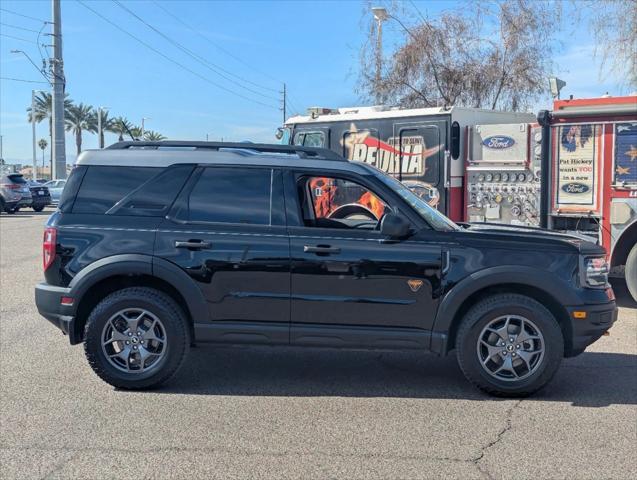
x: 533, y: 283
x: 122, y: 271
x: 624, y: 244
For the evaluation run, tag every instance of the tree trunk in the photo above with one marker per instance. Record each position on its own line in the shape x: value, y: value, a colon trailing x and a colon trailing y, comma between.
x: 78, y: 140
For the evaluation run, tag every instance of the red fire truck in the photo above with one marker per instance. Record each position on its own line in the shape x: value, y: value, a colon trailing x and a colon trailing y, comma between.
x: 590, y: 150
x: 426, y: 148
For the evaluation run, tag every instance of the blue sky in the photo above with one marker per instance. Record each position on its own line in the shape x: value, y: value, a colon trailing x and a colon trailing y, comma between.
x: 312, y: 46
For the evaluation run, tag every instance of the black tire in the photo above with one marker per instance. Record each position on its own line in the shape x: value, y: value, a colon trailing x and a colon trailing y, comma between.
x: 631, y: 272
x: 491, y: 308
x: 39, y: 208
x: 160, y: 305
x: 11, y: 210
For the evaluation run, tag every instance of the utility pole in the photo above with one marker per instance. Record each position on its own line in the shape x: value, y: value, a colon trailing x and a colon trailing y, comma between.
x: 35, y: 160
x: 57, y: 67
x: 284, y: 106
x: 100, y: 133
x: 380, y: 14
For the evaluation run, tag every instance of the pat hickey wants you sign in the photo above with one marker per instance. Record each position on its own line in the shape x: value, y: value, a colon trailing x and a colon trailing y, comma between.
x: 576, y: 170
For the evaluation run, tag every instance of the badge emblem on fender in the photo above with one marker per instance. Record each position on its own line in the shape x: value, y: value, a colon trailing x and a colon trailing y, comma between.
x: 414, y: 285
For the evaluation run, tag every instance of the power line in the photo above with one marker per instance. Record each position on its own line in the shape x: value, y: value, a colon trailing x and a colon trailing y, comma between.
x: 209, y: 65
x: 22, y: 80
x: 180, y: 65
x: 17, y: 38
x: 230, y: 54
x: 24, y: 16
x: 17, y: 27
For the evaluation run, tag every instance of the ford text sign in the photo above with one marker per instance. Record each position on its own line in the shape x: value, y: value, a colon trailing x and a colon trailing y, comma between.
x: 498, y: 142
x: 575, y: 188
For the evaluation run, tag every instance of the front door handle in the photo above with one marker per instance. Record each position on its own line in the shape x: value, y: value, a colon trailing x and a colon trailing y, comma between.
x: 321, y: 249
x: 192, y: 244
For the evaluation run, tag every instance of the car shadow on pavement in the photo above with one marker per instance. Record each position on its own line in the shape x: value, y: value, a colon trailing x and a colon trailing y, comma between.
x: 594, y: 379
x: 28, y: 214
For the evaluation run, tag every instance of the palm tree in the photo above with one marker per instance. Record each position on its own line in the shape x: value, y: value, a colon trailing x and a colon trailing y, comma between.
x: 136, y: 132
x: 152, y: 136
x: 107, y: 125
x: 121, y: 127
x: 81, y: 117
x: 44, y: 109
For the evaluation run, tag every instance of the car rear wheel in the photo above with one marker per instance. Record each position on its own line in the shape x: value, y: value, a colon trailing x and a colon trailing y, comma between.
x: 631, y: 272
x: 509, y: 345
x: 136, y: 338
x: 39, y: 208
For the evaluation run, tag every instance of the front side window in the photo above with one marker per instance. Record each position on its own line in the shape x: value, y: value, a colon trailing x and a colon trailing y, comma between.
x: 331, y: 202
x: 626, y: 153
x: 309, y: 139
x: 232, y: 195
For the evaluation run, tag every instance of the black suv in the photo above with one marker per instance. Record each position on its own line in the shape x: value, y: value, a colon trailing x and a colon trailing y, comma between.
x: 157, y: 245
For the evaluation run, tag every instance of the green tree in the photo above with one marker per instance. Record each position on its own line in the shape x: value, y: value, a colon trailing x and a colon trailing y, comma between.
x: 44, y: 109
x: 121, y: 126
x: 81, y: 118
x: 152, y: 136
x: 136, y: 132
x: 42, y: 143
x: 107, y: 125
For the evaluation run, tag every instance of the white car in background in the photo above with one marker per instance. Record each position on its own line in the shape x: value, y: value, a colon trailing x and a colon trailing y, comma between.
x: 55, y: 188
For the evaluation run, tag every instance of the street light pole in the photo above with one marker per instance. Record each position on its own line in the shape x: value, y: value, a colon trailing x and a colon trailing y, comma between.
x: 380, y: 14
x: 35, y: 165
x: 143, y: 120
x: 57, y: 68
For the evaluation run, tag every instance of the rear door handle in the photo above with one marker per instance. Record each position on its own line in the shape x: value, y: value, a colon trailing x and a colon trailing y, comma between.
x: 192, y: 244
x: 326, y: 250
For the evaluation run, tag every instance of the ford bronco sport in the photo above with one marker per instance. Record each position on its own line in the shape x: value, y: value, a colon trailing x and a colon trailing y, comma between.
x: 157, y: 245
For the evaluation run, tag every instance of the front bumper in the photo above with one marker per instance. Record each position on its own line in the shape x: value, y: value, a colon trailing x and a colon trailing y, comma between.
x: 598, y: 319
x: 48, y: 301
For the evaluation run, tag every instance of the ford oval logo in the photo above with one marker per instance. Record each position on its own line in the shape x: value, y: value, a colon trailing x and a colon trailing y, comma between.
x: 575, y: 188
x: 498, y: 142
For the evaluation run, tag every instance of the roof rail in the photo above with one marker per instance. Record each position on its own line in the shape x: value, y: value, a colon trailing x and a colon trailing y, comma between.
x: 302, y: 152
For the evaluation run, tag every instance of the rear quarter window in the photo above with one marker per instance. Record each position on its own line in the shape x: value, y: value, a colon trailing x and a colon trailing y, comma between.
x: 102, y: 186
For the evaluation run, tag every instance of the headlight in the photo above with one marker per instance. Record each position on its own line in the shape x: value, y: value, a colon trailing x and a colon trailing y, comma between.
x: 596, y: 272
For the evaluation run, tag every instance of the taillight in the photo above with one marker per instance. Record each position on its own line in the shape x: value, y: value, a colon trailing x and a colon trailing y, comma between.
x: 48, y: 247
x: 10, y: 186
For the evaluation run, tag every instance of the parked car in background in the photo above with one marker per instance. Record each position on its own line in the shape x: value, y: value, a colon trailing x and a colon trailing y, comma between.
x: 55, y: 189
x: 40, y: 195
x: 14, y: 193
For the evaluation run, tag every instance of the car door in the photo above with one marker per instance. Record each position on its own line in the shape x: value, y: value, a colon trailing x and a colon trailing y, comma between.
x: 227, y: 232
x: 353, y: 277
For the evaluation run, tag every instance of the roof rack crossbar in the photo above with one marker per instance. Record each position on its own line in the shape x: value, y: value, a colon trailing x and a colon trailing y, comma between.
x: 302, y: 152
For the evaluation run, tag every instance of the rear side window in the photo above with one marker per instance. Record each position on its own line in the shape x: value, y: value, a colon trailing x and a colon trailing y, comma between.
x: 17, y: 179
x: 232, y: 195
x: 102, y: 187
x: 70, y: 188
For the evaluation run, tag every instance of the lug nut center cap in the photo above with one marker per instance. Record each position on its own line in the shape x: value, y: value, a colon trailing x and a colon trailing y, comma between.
x: 134, y: 340
x: 510, y: 348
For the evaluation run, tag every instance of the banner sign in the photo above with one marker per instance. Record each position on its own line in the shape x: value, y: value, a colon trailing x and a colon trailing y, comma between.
x: 576, y: 166
x: 626, y: 153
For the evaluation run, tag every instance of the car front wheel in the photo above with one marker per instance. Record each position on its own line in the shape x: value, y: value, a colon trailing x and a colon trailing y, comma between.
x: 509, y: 345
x: 136, y: 338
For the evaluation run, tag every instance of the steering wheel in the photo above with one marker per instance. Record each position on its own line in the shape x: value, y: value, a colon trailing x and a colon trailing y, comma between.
x: 351, y: 210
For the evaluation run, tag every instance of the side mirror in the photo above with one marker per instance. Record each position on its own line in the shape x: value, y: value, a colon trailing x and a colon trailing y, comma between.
x: 394, y: 226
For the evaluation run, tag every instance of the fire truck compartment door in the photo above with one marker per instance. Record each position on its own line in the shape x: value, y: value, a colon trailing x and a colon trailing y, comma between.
x: 421, y: 159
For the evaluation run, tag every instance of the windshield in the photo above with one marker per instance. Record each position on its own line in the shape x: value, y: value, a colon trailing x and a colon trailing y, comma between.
x: 432, y: 216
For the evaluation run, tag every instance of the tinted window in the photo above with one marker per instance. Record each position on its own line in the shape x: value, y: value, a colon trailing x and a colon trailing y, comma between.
x: 232, y: 195
x: 103, y: 187
x: 17, y: 178
x: 68, y: 194
x: 154, y: 197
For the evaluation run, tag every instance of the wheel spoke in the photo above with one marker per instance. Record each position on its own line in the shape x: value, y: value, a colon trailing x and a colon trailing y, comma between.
x: 507, y: 366
x: 524, y: 336
x: 493, y: 350
x: 526, y: 357
x: 133, y: 351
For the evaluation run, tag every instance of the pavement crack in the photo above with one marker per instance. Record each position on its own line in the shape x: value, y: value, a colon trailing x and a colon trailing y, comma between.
x: 483, y: 451
x: 60, y: 465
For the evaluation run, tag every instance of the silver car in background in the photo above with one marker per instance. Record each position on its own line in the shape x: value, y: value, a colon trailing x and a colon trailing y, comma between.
x: 55, y: 189
x: 14, y: 193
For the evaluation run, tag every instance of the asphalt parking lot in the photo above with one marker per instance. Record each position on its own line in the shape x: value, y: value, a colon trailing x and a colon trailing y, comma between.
x: 290, y: 413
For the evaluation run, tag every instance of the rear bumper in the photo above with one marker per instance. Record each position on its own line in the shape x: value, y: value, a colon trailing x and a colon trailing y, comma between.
x: 599, y: 318
x: 48, y: 301
x: 38, y: 200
